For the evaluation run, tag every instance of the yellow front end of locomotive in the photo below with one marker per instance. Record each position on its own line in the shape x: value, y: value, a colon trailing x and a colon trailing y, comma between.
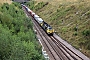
x: 50, y: 31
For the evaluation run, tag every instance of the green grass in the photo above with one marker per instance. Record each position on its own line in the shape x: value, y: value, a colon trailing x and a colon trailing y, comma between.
x: 69, y: 19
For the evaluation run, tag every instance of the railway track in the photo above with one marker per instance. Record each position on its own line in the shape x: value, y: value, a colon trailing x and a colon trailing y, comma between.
x: 45, y: 41
x: 65, y: 50
x: 53, y: 55
x: 56, y: 49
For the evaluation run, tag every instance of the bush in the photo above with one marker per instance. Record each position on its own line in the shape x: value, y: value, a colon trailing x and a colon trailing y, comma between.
x: 75, y: 34
x: 86, y: 32
x: 75, y: 28
x: 17, y: 39
x: 64, y: 29
x: 40, y: 5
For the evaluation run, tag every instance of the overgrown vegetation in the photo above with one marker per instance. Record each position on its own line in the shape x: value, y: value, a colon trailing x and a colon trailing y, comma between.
x: 5, y: 1
x: 71, y: 20
x: 17, y: 38
x: 34, y: 7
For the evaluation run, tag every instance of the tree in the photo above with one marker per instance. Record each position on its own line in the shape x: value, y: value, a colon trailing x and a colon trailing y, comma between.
x: 17, y: 38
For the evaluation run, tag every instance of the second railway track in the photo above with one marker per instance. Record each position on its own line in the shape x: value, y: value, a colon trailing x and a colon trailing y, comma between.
x: 52, y: 53
x: 65, y: 50
x: 56, y: 49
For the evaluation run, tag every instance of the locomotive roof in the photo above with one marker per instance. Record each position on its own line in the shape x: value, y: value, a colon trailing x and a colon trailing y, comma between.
x: 47, y: 25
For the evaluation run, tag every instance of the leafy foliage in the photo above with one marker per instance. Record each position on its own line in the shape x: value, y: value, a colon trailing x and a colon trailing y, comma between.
x: 31, y: 4
x: 86, y: 32
x: 17, y: 38
x: 38, y: 6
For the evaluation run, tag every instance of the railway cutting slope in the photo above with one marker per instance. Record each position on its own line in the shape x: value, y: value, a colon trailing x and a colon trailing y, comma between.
x: 59, y: 49
x: 70, y: 19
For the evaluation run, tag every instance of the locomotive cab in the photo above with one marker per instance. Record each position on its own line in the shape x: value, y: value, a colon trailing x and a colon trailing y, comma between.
x: 50, y: 30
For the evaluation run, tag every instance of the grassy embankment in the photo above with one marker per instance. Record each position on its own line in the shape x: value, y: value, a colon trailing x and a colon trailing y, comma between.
x: 5, y: 1
x: 71, y: 20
